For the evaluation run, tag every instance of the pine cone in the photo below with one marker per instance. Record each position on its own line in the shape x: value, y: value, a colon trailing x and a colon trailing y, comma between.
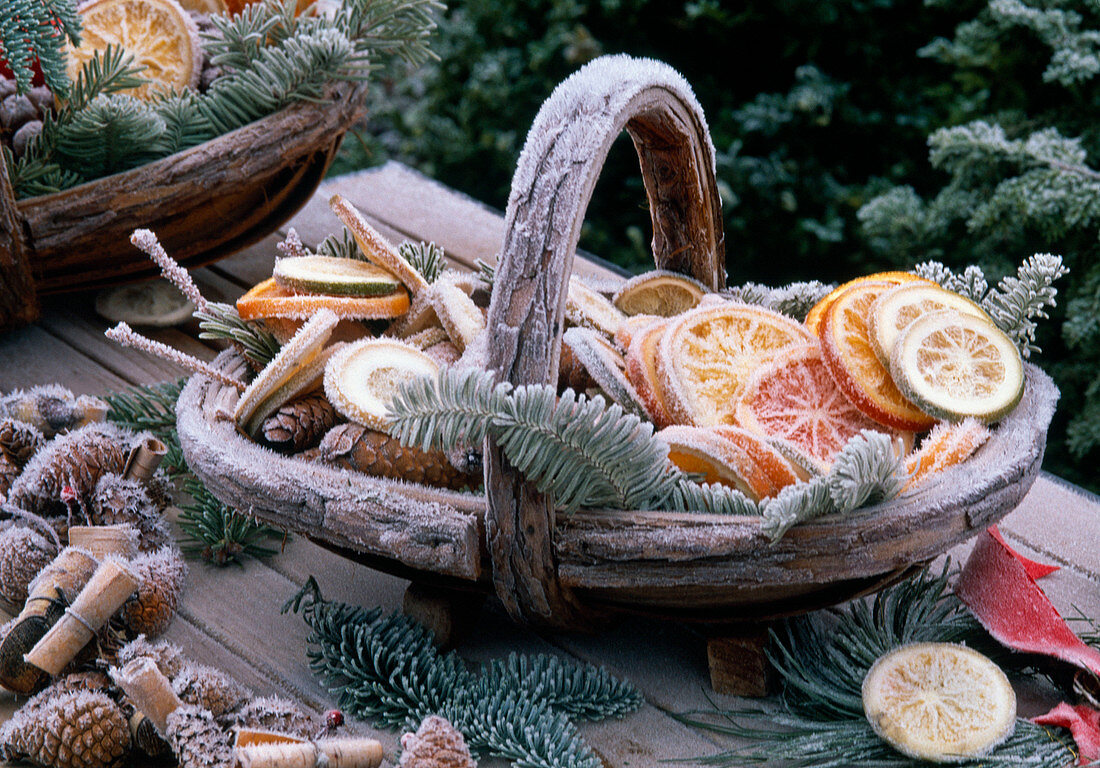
x: 19, y: 441
x: 85, y: 680
x: 436, y: 744
x: 77, y: 461
x: 274, y: 714
x: 353, y: 446
x: 23, y: 553
x: 168, y: 657
x: 74, y: 729
x: 8, y: 474
x: 118, y: 500
x: 210, y: 688
x: 299, y: 424
x: 162, y: 574
x: 197, y: 740
x: 52, y: 408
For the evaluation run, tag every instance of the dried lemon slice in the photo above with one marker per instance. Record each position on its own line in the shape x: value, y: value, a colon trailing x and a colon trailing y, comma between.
x: 659, y: 292
x: 159, y: 34
x: 896, y: 308
x: 954, y: 365
x: 939, y: 701
x: 707, y: 354
x: 334, y: 275
x: 362, y: 378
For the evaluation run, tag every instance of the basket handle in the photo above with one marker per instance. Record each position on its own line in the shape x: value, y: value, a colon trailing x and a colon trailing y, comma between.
x: 18, y: 297
x: 553, y: 183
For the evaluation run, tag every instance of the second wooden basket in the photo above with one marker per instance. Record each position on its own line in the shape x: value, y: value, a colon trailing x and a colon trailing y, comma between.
x: 552, y: 570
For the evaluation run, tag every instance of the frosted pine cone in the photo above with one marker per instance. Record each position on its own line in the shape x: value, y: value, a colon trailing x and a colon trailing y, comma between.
x: 23, y: 553
x: 299, y: 424
x: 74, y: 461
x: 118, y: 500
x: 210, y: 689
x: 197, y: 740
x: 168, y: 657
x: 274, y: 714
x: 162, y: 574
x: 8, y: 474
x: 75, y: 729
x: 353, y: 446
x: 436, y: 744
x: 19, y: 441
x: 52, y: 408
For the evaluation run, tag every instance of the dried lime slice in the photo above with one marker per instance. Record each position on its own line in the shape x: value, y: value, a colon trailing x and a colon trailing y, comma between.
x: 939, y: 701
x: 362, y: 378
x: 156, y: 304
x: 894, y: 310
x: 659, y: 292
x: 953, y: 365
x: 336, y: 276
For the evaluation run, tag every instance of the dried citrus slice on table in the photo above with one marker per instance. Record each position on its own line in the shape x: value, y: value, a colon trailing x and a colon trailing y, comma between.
x: 793, y: 397
x: 939, y: 701
x: 895, y: 309
x: 851, y: 359
x: 269, y: 299
x: 334, y: 275
x: 816, y: 316
x: 955, y: 365
x: 659, y: 292
x: 159, y: 34
x: 707, y: 354
x: 362, y: 378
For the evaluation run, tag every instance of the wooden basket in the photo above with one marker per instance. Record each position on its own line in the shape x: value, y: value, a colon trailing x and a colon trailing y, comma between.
x: 204, y: 203
x: 549, y: 569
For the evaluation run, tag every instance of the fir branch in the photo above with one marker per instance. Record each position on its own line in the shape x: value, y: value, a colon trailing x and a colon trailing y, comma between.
x: 184, y: 124
x: 386, y: 668
x: 795, y: 504
x: 486, y: 273
x: 37, y: 30
x: 342, y: 247
x: 426, y: 258
x: 397, y: 27
x: 794, y: 300
x: 686, y: 495
x: 238, y: 39
x: 217, y: 533
x: 111, y: 134
x: 222, y: 321
x: 31, y: 175
x: 454, y: 409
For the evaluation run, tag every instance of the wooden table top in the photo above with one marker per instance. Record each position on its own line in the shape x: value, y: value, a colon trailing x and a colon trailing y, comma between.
x: 230, y: 617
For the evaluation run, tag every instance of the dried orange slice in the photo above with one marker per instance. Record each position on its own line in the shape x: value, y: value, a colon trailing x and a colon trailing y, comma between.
x: 205, y: 6
x: 268, y: 299
x: 634, y: 324
x: 939, y: 701
x: 775, y: 466
x: 895, y: 309
x: 641, y: 370
x: 159, y: 34
x: 816, y: 316
x: 851, y: 359
x: 955, y: 365
x: 707, y: 354
x: 793, y: 397
x: 702, y: 451
x: 659, y: 292
x: 945, y: 446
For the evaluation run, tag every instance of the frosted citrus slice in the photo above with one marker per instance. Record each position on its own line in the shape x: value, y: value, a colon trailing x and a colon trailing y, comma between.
x: 362, y: 378
x: 850, y: 358
x: 461, y: 317
x: 605, y: 365
x: 268, y: 299
x: 333, y: 275
x: 939, y: 701
x: 659, y: 292
x: 632, y: 325
x: 816, y: 316
x: 896, y: 308
x: 955, y: 365
x: 775, y: 466
x: 945, y: 446
x: 205, y: 6
x: 707, y: 354
x: 159, y: 34
x: 589, y: 309
x: 376, y: 247
x: 641, y: 370
x: 702, y: 451
x: 793, y: 397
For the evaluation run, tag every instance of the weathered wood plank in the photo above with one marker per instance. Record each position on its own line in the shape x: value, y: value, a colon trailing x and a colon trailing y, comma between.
x: 32, y: 356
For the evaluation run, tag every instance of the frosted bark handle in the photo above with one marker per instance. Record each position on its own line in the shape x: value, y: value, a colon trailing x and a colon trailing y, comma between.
x: 561, y: 161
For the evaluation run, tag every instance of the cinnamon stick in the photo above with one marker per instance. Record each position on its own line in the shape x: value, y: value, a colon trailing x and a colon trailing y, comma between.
x: 144, y: 459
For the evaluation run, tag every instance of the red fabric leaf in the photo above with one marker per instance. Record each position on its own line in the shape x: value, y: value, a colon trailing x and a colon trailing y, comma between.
x: 1034, y: 569
x: 1006, y: 601
x: 1083, y: 722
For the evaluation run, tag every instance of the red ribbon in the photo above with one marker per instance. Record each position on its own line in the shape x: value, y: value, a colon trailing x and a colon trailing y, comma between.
x: 1083, y: 722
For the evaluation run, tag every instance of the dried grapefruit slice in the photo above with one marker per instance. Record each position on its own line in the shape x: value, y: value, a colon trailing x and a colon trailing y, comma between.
x: 793, y: 397
x: 641, y: 370
x: 659, y: 292
x: 945, y: 446
x: 955, y: 365
x: 816, y: 316
x: 895, y: 309
x: 707, y: 354
x: 939, y: 701
x: 702, y: 451
x: 362, y: 378
x: 268, y: 299
x: 159, y: 34
x: 850, y: 358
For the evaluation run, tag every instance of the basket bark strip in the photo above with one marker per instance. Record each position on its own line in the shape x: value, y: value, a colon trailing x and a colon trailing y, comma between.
x: 204, y: 203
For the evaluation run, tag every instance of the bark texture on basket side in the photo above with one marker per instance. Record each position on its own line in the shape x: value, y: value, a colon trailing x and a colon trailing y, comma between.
x: 18, y: 298
x: 559, y: 167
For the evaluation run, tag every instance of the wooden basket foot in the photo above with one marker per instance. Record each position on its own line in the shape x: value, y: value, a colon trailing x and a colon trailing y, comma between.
x: 738, y: 664
x: 449, y: 614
